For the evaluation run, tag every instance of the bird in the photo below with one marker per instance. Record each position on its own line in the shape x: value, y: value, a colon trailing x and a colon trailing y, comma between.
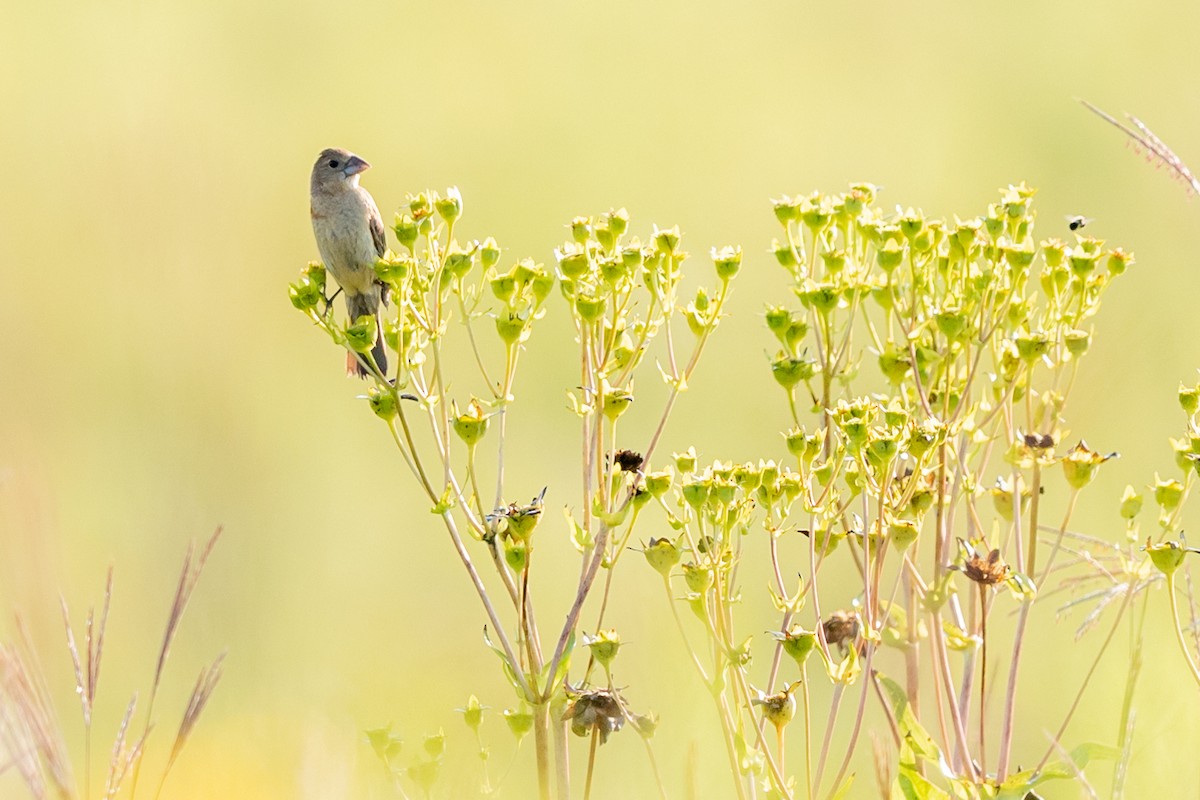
x: 350, y: 237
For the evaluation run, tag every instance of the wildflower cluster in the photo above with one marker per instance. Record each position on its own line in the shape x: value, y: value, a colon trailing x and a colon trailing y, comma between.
x: 926, y: 367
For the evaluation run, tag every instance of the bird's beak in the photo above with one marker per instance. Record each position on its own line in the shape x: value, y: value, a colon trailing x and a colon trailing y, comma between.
x: 355, y: 165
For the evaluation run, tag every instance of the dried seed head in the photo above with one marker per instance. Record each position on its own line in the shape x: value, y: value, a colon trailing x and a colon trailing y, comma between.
x: 596, y: 710
x: 841, y: 629
x: 628, y: 460
x: 986, y: 571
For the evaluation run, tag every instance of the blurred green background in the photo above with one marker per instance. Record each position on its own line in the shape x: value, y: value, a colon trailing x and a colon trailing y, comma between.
x: 155, y: 382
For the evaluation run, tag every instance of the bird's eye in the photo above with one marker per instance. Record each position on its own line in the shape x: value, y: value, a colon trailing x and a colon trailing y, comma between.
x: 334, y: 163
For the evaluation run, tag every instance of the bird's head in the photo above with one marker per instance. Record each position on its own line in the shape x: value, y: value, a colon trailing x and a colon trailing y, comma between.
x: 337, y: 169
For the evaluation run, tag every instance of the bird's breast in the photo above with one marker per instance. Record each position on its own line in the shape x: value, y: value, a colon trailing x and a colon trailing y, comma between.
x: 344, y: 239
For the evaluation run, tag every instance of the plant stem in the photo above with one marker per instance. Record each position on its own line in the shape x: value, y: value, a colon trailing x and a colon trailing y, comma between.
x: 541, y: 736
x: 1183, y: 645
x: 983, y: 612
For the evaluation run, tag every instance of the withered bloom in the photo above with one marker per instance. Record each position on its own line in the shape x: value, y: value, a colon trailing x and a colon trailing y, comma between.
x: 841, y: 629
x: 1039, y: 441
x: 514, y: 521
x: 985, y: 571
x: 628, y: 460
x: 596, y: 710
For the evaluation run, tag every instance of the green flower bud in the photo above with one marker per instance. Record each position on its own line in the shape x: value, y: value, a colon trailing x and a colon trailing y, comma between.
x: 996, y: 217
x: 1002, y: 498
x: 1077, y: 342
x: 1032, y: 345
x: 459, y: 263
x: 1119, y: 261
x: 489, y: 253
x: 1189, y: 398
x: 604, y: 235
x: 511, y: 326
x: 861, y: 194
x: 790, y: 371
x: 394, y: 270
x: 305, y: 294
x: 889, y: 256
x: 903, y: 533
x: 1131, y: 503
x: 614, y: 402
x: 572, y: 260
x: 632, y: 255
x: 519, y: 720
x: 472, y: 713
x: 314, y: 271
x: 419, y: 206
x: 590, y: 308
x: 449, y: 207
x: 924, y: 437
x: 406, y: 230
x: 662, y: 554
x: 685, y: 462
x: 1054, y: 252
x: 1166, y: 556
x: 504, y: 287
x: 747, y: 477
x: 697, y: 577
x: 824, y: 541
x: 1080, y: 463
x: 881, y: 449
x: 797, y: 442
x: 835, y: 261
x: 382, y: 403
x: 472, y: 425
x: 797, y: 643
x: 659, y: 483
x: 921, y: 500
x: 778, y: 709
x: 951, y: 322
x: 666, y: 240
x: 824, y: 297
x: 516, y: 553
x: 723, y: 491
x: 728, y: 260
x: 1082, y: 263
x: 778, y: 320
x: 816, y: 213
x: 784, y: 254
x: 696, y: 492
x: 541, y: 285
x: 360, y: 334
x: 604, y: 646
x: 581, y: 229
x: 618, y: 221
x: 1167, y: 493
x: 1018, y: 257
x: 787, y: 209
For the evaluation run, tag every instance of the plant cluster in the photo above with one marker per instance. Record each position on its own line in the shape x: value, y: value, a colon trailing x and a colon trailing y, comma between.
x: 926, y: 367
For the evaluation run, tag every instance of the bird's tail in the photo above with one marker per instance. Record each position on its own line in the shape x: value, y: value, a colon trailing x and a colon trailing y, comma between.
x: 358, y: 305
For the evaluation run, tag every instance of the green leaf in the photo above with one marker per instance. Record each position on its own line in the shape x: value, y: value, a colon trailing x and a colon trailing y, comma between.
x: 509, y: 669
x: 1018, y: 785
x: 582, y: 539
x: 843, y: 791
x: 910, y: 785
x: 914, y: 733
x: 551, y: 688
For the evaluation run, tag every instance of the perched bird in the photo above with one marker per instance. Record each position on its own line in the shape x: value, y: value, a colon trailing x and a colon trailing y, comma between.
x: 349, y: 234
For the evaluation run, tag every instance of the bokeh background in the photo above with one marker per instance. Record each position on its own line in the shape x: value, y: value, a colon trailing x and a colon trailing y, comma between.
x: 155, y: 382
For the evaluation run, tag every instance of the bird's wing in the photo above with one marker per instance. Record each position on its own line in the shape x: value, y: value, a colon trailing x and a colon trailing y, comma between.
x: 377, y: 236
